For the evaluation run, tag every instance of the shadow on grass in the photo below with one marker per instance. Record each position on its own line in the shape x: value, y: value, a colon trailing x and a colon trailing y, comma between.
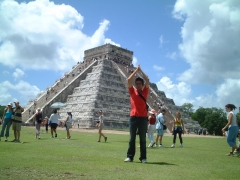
x: 161, y: 163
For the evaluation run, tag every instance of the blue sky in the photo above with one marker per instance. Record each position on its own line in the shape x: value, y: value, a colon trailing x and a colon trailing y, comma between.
x: 190, y: 49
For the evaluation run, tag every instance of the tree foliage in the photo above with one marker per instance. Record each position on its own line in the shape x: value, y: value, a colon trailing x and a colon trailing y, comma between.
x: 238, y: 118
x: 1, y: 111
x: 213, y: 119
x: 188, y: 108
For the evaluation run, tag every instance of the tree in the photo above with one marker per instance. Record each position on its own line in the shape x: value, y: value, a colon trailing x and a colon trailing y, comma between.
x: 238, y: 118
x: 187, y: 108
x: 214, y: 122
x: 1, y: 111
x: 200, y: 115
x: 213, y: 119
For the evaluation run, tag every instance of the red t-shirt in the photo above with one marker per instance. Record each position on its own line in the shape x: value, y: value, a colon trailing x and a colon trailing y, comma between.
x: 138, y: 106
x: 152, y: 120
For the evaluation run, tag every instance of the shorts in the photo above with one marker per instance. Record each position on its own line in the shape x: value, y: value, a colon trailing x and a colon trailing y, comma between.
x: 16, y: 126
x: 68, y: 125
x: 54, y: 125
x: 160, y: 132
x: 101, y: 127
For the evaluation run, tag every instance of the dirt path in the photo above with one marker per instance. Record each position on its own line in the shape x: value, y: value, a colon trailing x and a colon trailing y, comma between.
x: 105, y: 131
x: 127, y: 133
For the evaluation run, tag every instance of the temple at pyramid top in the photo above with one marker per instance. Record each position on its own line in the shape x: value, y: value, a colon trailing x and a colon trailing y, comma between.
x: 100, y: 83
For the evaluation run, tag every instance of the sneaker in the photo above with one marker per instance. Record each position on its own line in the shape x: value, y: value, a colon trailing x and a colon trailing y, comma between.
x: 98, y: 141
x: 230, y: 154
x: 13, y: 140
x: 173, y: 145
x: 105, y: 139
x: 52, y: 137
x: 39, y: 137
x: 181, y: 146
x: 161, y: 146
x: 150, y: 145
x: 144, y: 161
x: 6, y: 139
x: 17, y: 141
x: 55, y: 135
x: 237, y: 152
x: 153, y: 144
x: 128, y: 160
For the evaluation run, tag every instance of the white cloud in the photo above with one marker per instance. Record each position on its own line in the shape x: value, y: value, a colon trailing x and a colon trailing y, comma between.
x: 210, y: 39
x: 161, y: 41
x: 18, y: 74
x: 42, y: 35
x: 22, y: 91
x: 180, y: 92
x: 228, y: 92
x: 158, y: 68
x: 5, y: 96
x: 135, y: 62
x: 107, y: 40
x: 172, y: 55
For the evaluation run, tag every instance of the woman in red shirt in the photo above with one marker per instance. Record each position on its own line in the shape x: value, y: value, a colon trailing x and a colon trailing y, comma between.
x: 151, y: 127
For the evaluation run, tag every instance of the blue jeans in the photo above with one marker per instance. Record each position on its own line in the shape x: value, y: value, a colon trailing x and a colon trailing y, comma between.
x: 140, y: 124
x: 7, y: 123
x: 232, y: 135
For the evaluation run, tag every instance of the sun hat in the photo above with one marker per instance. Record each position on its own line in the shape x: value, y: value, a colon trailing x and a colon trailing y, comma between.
x: 10, y: 104
x: 152, y: 111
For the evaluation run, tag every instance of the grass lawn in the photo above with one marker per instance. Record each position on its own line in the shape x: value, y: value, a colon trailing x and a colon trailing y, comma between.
x: 82, y: 157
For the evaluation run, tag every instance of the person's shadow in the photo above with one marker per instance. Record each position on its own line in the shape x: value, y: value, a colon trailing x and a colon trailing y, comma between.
x: 161, y: 163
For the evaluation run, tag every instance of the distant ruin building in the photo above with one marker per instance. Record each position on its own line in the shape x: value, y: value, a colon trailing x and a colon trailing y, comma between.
x: 99, y: 83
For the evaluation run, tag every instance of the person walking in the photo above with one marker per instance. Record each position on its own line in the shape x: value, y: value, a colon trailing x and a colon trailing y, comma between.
x: 54, y: 122
x: 78, y: 124
x: 232, y: 129
x: 46, y: 124
x: 38, y: 122
x: 17, y: 121
x: 138, y: 114
x: 68, y: 124
x: 151, y: 127
x: 100, y: 126
x: 159, y: 126
x: 177, y: 128
x: 7, y: 117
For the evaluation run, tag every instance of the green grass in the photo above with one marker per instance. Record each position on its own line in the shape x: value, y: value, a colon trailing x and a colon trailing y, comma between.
x: 83, y: 157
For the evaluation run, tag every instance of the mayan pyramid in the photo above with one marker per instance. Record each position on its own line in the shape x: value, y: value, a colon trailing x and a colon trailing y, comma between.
x: 99, y: 83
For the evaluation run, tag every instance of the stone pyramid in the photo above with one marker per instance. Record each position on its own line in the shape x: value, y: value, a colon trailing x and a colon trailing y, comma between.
x: 100, y: 83
x: 103, y: 89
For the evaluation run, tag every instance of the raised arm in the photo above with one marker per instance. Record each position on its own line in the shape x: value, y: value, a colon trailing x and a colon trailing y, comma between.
x: 144, y: 77
x: 130, y: 78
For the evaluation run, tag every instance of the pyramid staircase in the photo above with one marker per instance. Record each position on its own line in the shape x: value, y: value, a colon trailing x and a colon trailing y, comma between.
x: 58, y: 91
x: 103, y: 90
